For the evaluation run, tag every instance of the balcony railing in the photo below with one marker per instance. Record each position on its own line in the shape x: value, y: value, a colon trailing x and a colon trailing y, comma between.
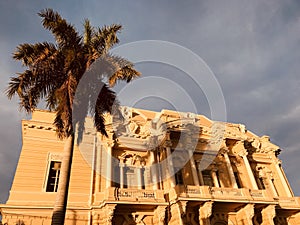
x: 129, y: 194
x: 289, y: 202
x: 227, y: 193
x: 206, y: 192
x: 135, y: 194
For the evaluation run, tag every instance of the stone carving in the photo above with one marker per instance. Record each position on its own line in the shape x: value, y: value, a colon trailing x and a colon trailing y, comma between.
x: 263, y: 145
x: 268, y: 213
x: 129, y: 126
x: 132, y: 159
x: 242, y: 128
x: 245, y: 215
x: 161, y: 214
x: 205, y: 212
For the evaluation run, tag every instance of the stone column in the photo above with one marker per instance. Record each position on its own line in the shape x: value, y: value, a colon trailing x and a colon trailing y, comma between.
x: 215, y: 177
x: 229, y: 168
x: 271, y: 184
x: 121, y: 175
x: 268, y: 213
x: 139, y: 177
x: 171, y: 174
x: 109, y: 164
x: 268, y: 178
x: 205, y: 212
x: 244, y: 154
x: 200, y: 174
x: 193, y: 167
x: 153, y: 170
x: 283, y: 179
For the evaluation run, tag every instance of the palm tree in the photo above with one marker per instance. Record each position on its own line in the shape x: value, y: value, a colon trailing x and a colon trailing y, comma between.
x: 54, y: 71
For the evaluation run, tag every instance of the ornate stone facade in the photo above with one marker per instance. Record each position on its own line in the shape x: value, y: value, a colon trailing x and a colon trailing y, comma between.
x: 164, y: 168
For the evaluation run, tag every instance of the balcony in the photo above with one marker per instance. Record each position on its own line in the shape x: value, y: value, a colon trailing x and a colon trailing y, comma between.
x: 219, y: 194
x: 139, y: 195
x: 196, y: 192
x: 230, y: 193
x: 289, y: 202
x: 130, y: 195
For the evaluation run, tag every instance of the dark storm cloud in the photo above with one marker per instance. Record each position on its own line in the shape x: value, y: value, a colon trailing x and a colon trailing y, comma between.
x: 251, y: 46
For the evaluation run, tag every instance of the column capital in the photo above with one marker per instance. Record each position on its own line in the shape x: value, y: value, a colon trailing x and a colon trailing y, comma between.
x: 243, y: 153
x: 110, y: 143
x: 239, y: 148
x: 223, y: 151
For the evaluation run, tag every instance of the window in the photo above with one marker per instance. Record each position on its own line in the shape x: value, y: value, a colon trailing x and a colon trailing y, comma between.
x: 116, y: 176
x: 53, y: 176
x: 207, y: 179
x: 178, y: 177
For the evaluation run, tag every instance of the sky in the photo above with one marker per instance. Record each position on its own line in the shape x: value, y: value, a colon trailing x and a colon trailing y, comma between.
x: 252, y: 48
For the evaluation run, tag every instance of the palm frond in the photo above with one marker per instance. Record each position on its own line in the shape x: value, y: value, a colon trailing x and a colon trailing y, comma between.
x: 64, y: 33
x: 106, y: 103
x: 55, y: 70
x: 88, y: 32
x: 119, y: 68
x: 20, y: 84
x: 105, y: 38
x: 29, y: 54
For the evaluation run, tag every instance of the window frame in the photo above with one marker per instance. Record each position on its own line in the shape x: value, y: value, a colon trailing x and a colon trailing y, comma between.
x: 52, y: 157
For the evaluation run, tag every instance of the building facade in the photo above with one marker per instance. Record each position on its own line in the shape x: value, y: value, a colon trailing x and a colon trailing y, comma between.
x: 164, y: 168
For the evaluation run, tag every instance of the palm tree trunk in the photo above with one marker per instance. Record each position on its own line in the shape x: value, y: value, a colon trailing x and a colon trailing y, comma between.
x: 59, y: 210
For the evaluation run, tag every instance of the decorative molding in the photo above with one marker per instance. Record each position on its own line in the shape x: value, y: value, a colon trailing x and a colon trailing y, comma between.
x: 55, y: 156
